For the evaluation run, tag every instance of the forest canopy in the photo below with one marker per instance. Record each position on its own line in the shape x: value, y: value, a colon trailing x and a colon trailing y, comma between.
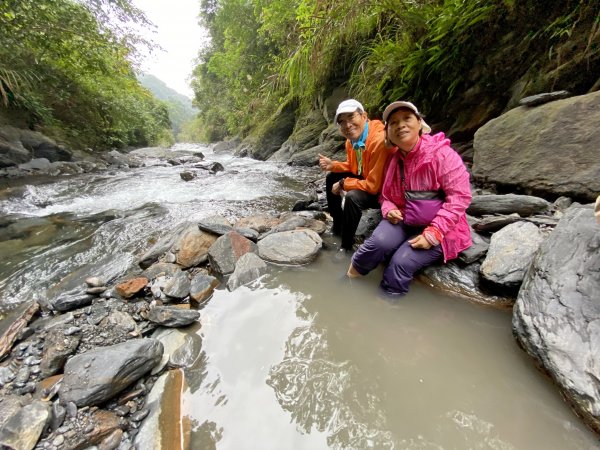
x: 67, y: 69
x: 442, y: 54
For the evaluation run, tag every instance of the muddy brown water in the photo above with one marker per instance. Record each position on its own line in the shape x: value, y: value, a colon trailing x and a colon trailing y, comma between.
x: 306, y: 360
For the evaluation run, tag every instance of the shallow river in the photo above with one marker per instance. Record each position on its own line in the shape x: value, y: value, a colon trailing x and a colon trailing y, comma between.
x: 302, y: 359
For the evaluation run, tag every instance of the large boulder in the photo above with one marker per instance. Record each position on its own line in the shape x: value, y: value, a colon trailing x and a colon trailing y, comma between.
x: 556, y: 315
x: 18, y: 146
x: 552, y: 148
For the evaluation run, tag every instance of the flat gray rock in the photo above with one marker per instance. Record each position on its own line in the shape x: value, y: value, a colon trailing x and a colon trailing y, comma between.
x: 523, y: 205
x: 290, y: 247
x: 170, y: 316
x: 95, y: 376
x: 540, y: 99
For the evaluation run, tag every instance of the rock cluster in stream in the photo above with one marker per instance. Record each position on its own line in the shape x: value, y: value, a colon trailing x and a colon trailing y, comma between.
x: 97, y: 360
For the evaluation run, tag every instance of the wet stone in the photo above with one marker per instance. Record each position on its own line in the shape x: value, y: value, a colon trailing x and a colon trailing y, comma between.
x: 22, y: 376
x: 58, y: 416
x: 71, y: 410
x: 140, y: 415
x: 96, y: 290
x: 94, y: 282
x: 71, y: 331
x: 172, y: 316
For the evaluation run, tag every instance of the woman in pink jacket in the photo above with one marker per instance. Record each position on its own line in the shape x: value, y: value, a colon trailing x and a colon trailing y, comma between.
x: 425, y: 194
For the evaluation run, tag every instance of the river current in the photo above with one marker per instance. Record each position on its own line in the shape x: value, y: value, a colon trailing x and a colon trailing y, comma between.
x: 301, y: 359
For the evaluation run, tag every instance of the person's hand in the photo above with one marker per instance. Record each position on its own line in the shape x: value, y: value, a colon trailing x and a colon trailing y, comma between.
x: 336, y: 188
x: 420, y: 242
x: 325, y: 163
x: 394, y: 216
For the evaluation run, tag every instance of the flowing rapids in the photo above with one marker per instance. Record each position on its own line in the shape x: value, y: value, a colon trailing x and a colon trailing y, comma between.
x: 301, y: 359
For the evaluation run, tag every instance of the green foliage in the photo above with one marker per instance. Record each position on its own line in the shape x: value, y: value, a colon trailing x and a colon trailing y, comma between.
x: 195, y: 130
x: 67, y: 65
x: 266, y: 53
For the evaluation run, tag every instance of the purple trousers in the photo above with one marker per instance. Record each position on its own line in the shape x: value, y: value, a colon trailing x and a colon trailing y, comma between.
x: 390, y: 243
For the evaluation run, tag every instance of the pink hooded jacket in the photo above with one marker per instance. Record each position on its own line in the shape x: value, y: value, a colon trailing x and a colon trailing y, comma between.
x: 431, y: 166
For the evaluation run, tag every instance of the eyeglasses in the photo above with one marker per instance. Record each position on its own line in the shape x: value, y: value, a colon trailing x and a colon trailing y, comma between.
x: 343, y: 122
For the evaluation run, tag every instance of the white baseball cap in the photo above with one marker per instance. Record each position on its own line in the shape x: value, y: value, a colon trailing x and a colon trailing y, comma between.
x: 348, y: 106
x: 395, y: 105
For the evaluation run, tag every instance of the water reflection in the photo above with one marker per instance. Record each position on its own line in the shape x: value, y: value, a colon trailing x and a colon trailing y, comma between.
x: 319, y: 394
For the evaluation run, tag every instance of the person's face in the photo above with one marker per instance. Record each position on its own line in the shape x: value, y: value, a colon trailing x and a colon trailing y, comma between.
x: 352, y: 124
x: 403, y: 128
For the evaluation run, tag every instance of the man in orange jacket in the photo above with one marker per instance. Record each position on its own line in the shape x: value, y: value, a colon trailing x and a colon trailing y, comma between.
x: 361, y: 175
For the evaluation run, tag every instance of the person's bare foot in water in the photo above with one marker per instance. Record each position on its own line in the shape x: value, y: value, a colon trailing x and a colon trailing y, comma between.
x: 352, y: 272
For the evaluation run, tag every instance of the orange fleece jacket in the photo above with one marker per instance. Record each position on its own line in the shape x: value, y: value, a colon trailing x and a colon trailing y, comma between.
x: 374, y: 158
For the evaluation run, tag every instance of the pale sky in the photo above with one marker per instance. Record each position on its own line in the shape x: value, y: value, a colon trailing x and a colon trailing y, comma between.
x: 179, y: 34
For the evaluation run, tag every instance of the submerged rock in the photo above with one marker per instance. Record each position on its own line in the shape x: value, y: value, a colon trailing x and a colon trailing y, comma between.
x: 164, y: 426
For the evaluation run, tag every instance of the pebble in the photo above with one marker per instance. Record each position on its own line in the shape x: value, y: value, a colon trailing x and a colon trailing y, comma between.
x: 140, y: 415
x: 7, y: 374
x: 94, y: 282
x: 22, y: 376
x: 96, y: 290
x: 32, y: 361
x: 58, y: 416
x: 89, y: 428
x: 71, y: 330
x: 121, y: 410
x: 71, y: 409
x: 27, y: 389
x: 58, y: 441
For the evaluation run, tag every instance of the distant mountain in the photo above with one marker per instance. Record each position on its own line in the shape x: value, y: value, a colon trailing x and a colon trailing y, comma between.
x: 179, y: 106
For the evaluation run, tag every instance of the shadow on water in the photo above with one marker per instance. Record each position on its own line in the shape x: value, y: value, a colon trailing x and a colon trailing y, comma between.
x: 305, y: 360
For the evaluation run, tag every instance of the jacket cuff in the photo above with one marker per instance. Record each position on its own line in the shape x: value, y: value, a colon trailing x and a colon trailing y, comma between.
x: 433, y: 235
